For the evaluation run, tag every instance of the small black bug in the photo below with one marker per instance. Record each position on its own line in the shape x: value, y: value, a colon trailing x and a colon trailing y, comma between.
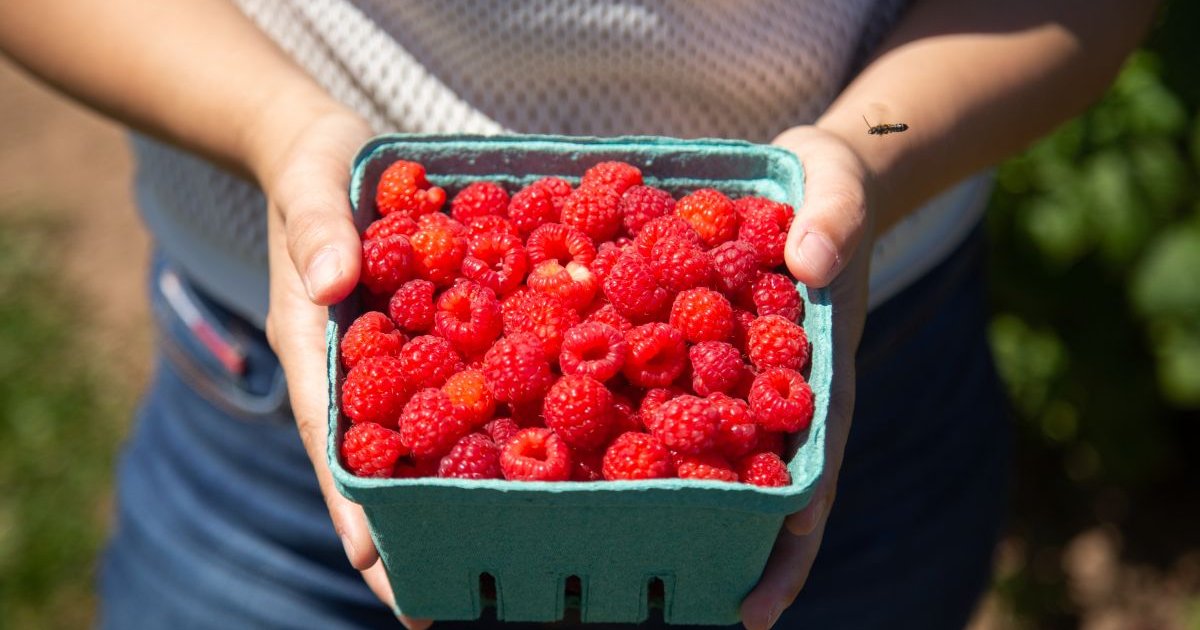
x: 884, y: 129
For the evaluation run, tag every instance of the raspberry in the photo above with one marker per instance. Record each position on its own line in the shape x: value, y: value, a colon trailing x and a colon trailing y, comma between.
x: 469, y: 395
x: 404, y: 189
x: 625, y: 419
x: 429, y: 426
x: 711, y: 214
x: 558, y: 188
x: 440, y: 246
x: 475, y: 456
x: 741, y: 327
x: 680, y: 264
x: 579, y: 409
x: 392, y: 225
x: 764, y: 224
x: 412, y: 308
x: 716, y: 367
x: 375, y: 390
x: 536, y: 455
x: 371, y: 450
x: 606, y: 258
x: 372, y: 334
x: 387, y: 263
x: 468, y: 316
x: 654, y: 355
x: 633, y: 291
x: 663, y: 227
x: 408, y: 468
x: 636, y: 456
x: 687, y: 424
x: 776, y: 294
x: 496, y: 260
x: 702, y: 315
x: 781, y: 400
x: 769, y: 442
x: 592, y: 349
x: 595, y: 211
x: 640, y: 204
x: 533, y: 206
x: 501, y: 430
x: 773, y: 341
x: 479, y: 199
x: 737, y: 433
x: 764, y: 469
x: 427, y: 361
x: 574, y: 284
x: 654, y: 399
x: 555, y: 241
x: 587, y: 465
x: 706, y: 466
x: 608, y: 314
x: 516, y: 368
x: 491, y: 223
x: 541, y: 314
x: 618, y: 176
x: 735, y: 264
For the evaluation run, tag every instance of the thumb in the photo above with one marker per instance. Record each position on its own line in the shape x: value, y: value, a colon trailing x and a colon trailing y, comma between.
x: 321, y: 238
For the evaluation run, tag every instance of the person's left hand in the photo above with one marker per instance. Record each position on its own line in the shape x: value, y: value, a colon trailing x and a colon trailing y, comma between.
x: 829, y: 244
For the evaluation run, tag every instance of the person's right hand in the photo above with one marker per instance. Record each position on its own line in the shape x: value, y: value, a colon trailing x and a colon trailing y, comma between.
x: 314, y: 256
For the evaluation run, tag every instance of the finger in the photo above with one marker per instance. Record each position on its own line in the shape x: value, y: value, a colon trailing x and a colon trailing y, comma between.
x: 321, y: 238
x: 376, y: 578
x: 785, y: 574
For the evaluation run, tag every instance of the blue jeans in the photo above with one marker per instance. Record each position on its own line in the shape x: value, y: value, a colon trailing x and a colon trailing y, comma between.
x: 220, y: 523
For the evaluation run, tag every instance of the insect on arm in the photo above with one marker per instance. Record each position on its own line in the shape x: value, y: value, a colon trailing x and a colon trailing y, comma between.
x: 885, y: 128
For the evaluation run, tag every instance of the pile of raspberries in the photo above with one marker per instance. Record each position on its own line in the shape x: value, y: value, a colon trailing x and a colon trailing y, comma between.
x: 603, y: 332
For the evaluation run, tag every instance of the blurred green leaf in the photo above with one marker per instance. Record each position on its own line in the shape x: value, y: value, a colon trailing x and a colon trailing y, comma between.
x: 1167, y: 279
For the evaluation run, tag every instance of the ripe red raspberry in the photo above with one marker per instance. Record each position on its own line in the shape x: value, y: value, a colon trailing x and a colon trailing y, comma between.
x: 625, y: 419
x: 371, y: 450
x: 680, y: 264
x: 735, y: 265
x: 592, y: 349
x: 741, y: 327
x: 618, y: 176
x: 412, y: 307
x: 440, y: 246
x: 654, y: 399
x: 633, y: 290
x: 558, y: 188
x: 533, y: 206
x: 711, y: 214
x: 702, y: 315
x: 776, y: 294
x: 781, y: 400
x: 468, y: 316
x: 404, y: 189
x: 705, y: 466
x: 479, y: 199
x: 497, y: 261
x: 555, y: 241
x: 375, y: 390
x: 764, y: 469
x: 716, y: 367
x: 769, y: 442
x: 687, y: 424
x: 536, y: 455
x: 655, y: 355
x: 469, y: 395
x: 773, y: 341
x: 595, y: 211
x: 587, y: 465
x: 372, y: 334
x: 428, y: 425
x: 636, y: 456
x: 764, y: 224
x: 661, y: 228
x: 580, y: 410
x: 608, y: 314
x: 491, y: 223
x: 574, y: 284
x: 737, y: 433
x: 516, y: 368
x: 387, y: 263
x: 427, y: 361
x: 540, y: 314
x: 392, y: 225
x: 640, y: 204
x: 475, y: 456
x: 606, y: 258
x: 501, y: 430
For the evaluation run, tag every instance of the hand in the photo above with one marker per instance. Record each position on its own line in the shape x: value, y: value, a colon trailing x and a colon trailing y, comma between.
x: 829, y: 244
x: 314, y: 255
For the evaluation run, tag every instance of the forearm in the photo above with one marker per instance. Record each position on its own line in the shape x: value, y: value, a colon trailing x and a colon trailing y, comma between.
x: 976, y: 82
x: 197, y: 73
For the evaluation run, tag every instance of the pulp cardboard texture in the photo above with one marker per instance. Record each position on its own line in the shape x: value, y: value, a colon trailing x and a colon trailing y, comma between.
x: 707, y: 542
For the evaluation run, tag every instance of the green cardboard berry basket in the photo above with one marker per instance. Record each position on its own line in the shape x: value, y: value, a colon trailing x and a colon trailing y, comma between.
x: 705, y: 542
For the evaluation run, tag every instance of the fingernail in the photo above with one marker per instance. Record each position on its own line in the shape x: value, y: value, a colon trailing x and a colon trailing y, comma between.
x: 348, y: 547
x: 818, y: 253
x: 325, y: 268
x: 774, y: 616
